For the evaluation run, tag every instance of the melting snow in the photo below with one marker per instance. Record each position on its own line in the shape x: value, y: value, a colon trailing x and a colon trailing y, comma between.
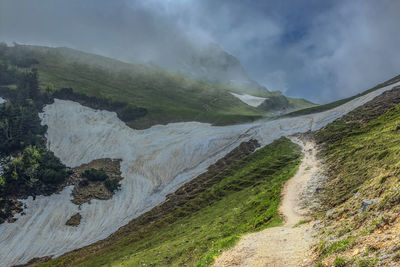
x: 155, y: 162
x: 250, y: 100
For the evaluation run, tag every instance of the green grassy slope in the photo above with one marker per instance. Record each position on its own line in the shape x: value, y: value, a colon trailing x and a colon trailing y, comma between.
x: 300, y: 103
x: 168, y: 97
x: 241, y: 199
x: 361, y: 153
x: 320, y: 108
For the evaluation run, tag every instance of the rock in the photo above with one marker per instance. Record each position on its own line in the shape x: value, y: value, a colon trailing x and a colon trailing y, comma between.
x: 319, y: 188
x: 75, y: 220
x: 366, y: 203
x: 318, y: 225
x: 383, y: 257
x: 330, y: 212
x: 357, y: 194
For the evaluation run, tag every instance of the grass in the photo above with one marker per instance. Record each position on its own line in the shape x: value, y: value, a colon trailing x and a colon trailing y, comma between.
x: 355, y: 155
x: 168, y: 97
x: 334, y: 247
x: 340, y: 262
x: 245, y: 199
x: 320, y: 108
x: 302, y: 222
x: 367, y: 262
x: 361, y: 155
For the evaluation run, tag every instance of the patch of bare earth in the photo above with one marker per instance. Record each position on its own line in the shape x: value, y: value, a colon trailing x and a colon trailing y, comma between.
x: 84, y: 192
x: 75, y: 220
x: 288, y: 245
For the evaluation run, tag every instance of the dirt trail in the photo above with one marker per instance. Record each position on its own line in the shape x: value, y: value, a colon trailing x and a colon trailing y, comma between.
x: 286, y: 245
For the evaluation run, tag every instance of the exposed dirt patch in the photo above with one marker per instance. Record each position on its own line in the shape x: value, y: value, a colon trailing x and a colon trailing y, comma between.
x: 281, y: 246
x: 75, y: 220
x: 86, y: 190
x: 35, y: 262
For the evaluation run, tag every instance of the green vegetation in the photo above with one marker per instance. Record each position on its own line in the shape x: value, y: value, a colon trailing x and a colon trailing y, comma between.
x: 358, y: 149
x: 158, y: 96
x: 361, y: 152
x: 320, y: 108
x: 95, y: 175
x: 301, y: 222
x: 241, y: 199
x: 337, y: 246
x: 33, y: 170
x: 340, y: 262
x: 167, y: 97
x: 367, y: 262
x: 112, y: 184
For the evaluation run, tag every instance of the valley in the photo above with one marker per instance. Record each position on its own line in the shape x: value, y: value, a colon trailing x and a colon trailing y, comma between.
x: 199, y: 133
x: 178, y: 152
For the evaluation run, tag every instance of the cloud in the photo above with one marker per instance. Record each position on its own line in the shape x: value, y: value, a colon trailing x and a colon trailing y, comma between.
x: 321, y: 50
x: 353, y: 47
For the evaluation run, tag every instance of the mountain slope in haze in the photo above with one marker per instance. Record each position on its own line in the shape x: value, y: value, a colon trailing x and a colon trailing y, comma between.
x: 166, y: 96
x: 211, y: 64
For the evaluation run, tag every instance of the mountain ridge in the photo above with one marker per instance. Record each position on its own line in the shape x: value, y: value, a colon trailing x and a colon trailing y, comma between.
x: 168, y: 97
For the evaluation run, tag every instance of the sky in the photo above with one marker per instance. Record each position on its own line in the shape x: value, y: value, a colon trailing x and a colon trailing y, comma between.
x: 319, y: 50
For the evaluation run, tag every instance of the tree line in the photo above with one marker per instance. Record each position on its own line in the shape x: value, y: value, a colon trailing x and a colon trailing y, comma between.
x: 27, y: 168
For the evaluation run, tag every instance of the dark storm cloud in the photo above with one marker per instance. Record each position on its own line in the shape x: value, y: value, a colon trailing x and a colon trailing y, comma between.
x: 321, y: 50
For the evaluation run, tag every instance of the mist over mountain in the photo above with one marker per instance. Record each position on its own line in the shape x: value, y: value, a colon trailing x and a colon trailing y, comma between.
x: 319, y: 50
x: 181, y: 133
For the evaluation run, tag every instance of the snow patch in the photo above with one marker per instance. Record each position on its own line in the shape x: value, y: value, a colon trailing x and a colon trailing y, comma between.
x: 155, y: 162
x: 250, y: 100
x: 2, y: 100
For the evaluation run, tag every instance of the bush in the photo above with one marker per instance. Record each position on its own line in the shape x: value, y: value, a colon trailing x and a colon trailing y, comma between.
x: 339, y: 262
x: 95, y: 175
x: 112, y: 184
x: 83, y: 183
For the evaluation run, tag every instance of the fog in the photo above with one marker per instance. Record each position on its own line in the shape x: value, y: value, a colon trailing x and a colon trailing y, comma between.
x: 320, y: 50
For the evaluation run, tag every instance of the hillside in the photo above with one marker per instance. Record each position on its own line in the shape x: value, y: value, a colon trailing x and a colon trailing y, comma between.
x: 155, y: 163
x: 238, y: 194
x: 159, y: 179
x: 165, y: 96
x: 359, y: 196
x: 321, y: 108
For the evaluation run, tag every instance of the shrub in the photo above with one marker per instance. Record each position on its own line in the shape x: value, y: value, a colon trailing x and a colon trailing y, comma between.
x: 95, y: 175
x: 84, y: 183
x: 339, y: 262
x: 112, y: 184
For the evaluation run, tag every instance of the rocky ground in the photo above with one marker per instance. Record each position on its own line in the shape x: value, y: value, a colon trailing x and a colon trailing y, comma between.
x: 94, y: 189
